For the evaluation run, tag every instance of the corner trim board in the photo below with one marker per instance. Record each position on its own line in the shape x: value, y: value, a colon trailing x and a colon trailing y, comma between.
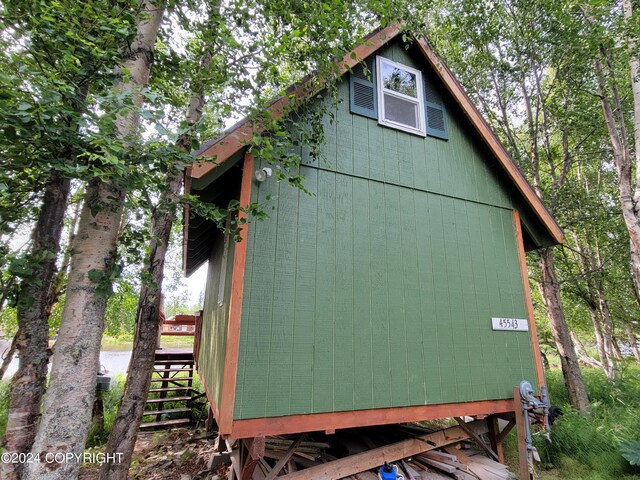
x: 537, y: 357
x: 185, y: 220
x: 227, y: 401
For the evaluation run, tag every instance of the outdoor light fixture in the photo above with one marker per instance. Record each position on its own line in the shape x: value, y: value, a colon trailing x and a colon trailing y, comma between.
x: 262, y: 174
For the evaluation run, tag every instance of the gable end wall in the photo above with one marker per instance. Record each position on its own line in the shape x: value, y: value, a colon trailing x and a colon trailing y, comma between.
x: 378, y: 290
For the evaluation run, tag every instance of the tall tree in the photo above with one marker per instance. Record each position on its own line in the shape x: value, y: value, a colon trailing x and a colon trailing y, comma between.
x: 508, y: 56
x: 68, y: 405
x: 49, y: 81
x: 32, y: 340
x: 610, y: 67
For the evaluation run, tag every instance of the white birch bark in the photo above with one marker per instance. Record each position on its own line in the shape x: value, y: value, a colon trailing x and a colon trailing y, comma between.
x: 69, y: 400
x: 629, y: 190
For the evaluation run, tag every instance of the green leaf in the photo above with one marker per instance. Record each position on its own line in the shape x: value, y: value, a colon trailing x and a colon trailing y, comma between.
x: 95, y: 275
x: 630, y: 450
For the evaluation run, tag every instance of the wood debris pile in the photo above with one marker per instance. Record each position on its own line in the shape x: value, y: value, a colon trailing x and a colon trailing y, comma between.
x: 357, y: 454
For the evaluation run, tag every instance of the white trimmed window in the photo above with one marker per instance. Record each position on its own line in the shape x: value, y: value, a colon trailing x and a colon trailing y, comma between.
x: 400, y: 97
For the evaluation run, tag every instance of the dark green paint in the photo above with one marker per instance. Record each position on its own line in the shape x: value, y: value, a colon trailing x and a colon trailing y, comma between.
x: 386, y: 299
x: 212, y: 352
x: 378, y: 289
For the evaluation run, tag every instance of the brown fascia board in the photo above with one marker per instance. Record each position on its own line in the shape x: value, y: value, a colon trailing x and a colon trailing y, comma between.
x: 219, y: 150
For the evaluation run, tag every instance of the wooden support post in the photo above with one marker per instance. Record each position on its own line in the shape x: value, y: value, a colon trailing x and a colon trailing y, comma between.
x: 236, y: 460
x: 477, y: 439
x: 254, y: 452
x: 210, y: 425
x: 496, y: 443
x: 190, y: 384
x: 505, y: 431
x: 523, y: 454
x: 163, y: 394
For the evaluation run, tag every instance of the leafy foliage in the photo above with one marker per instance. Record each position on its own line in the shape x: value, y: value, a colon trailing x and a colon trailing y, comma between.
x: 630, y: 450
x: 530, y: 67
x: 588, y: 446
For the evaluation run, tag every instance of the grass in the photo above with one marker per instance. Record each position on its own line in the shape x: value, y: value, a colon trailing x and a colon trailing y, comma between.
x: 4, y: 404
x: 587, y: 447
x: 123, y: 344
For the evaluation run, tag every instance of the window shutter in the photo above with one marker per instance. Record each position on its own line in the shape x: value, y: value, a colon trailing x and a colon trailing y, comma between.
x: 435, y: 112
x: 362, y: 88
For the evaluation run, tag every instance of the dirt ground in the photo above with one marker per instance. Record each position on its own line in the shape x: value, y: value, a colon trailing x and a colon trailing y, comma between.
x: 177, y: 454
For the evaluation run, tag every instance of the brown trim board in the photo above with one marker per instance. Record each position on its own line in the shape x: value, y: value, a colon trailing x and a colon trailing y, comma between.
x: 257, y: 427
x: 185, y: 219
x: 533, y: 333
x: 227, y: 401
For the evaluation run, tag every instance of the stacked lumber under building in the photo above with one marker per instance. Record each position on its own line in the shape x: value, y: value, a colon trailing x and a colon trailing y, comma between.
x: 417, y: 453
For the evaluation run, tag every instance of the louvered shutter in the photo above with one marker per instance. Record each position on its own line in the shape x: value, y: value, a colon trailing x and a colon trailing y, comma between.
x: 435, y: 111
x: 362, y: 88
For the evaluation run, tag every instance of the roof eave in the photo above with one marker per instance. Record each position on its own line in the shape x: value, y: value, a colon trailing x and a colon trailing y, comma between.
x: 224, y: 147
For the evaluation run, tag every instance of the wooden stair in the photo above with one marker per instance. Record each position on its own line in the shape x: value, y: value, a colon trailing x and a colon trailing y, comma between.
x: 170, y: 402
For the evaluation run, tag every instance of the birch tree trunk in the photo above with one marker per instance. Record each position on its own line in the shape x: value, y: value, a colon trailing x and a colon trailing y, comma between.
x: 58, y: 282
x: 597, y: 328
x: 596, y: 300
x: 69, y: 399
x: 634, y: 66
x: 125, y: 428
x: 631, y: 212
x: 550, y: 291
x: 68, y: 404
x: 7, y: 356
x: 628, y: 187
x: 633, y: 342
x: 549, y: 287
x: 583, y: 355
x: 32, y: 340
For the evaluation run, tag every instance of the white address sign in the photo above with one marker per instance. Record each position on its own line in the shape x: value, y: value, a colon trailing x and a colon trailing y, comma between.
x: 513, y: 324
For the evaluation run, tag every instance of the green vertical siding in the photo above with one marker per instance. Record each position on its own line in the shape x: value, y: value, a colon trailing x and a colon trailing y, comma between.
x: 377, y: 290
x: 213, y: 341
x: 456, y: 167
x: 369, y: 295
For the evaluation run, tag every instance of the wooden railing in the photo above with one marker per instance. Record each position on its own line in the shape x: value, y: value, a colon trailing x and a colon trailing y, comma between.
x: 180, y: 325
x: 185, y: 325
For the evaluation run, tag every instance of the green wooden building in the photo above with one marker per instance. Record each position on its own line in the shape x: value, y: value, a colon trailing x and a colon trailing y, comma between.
x: 398, y: 290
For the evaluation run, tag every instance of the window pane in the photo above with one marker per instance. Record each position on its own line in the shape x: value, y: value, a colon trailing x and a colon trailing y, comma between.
x: 399, y: 80
x: 400, y: 111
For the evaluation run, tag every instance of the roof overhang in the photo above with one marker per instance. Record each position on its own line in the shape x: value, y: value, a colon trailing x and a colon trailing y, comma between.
x: 215, y: 153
